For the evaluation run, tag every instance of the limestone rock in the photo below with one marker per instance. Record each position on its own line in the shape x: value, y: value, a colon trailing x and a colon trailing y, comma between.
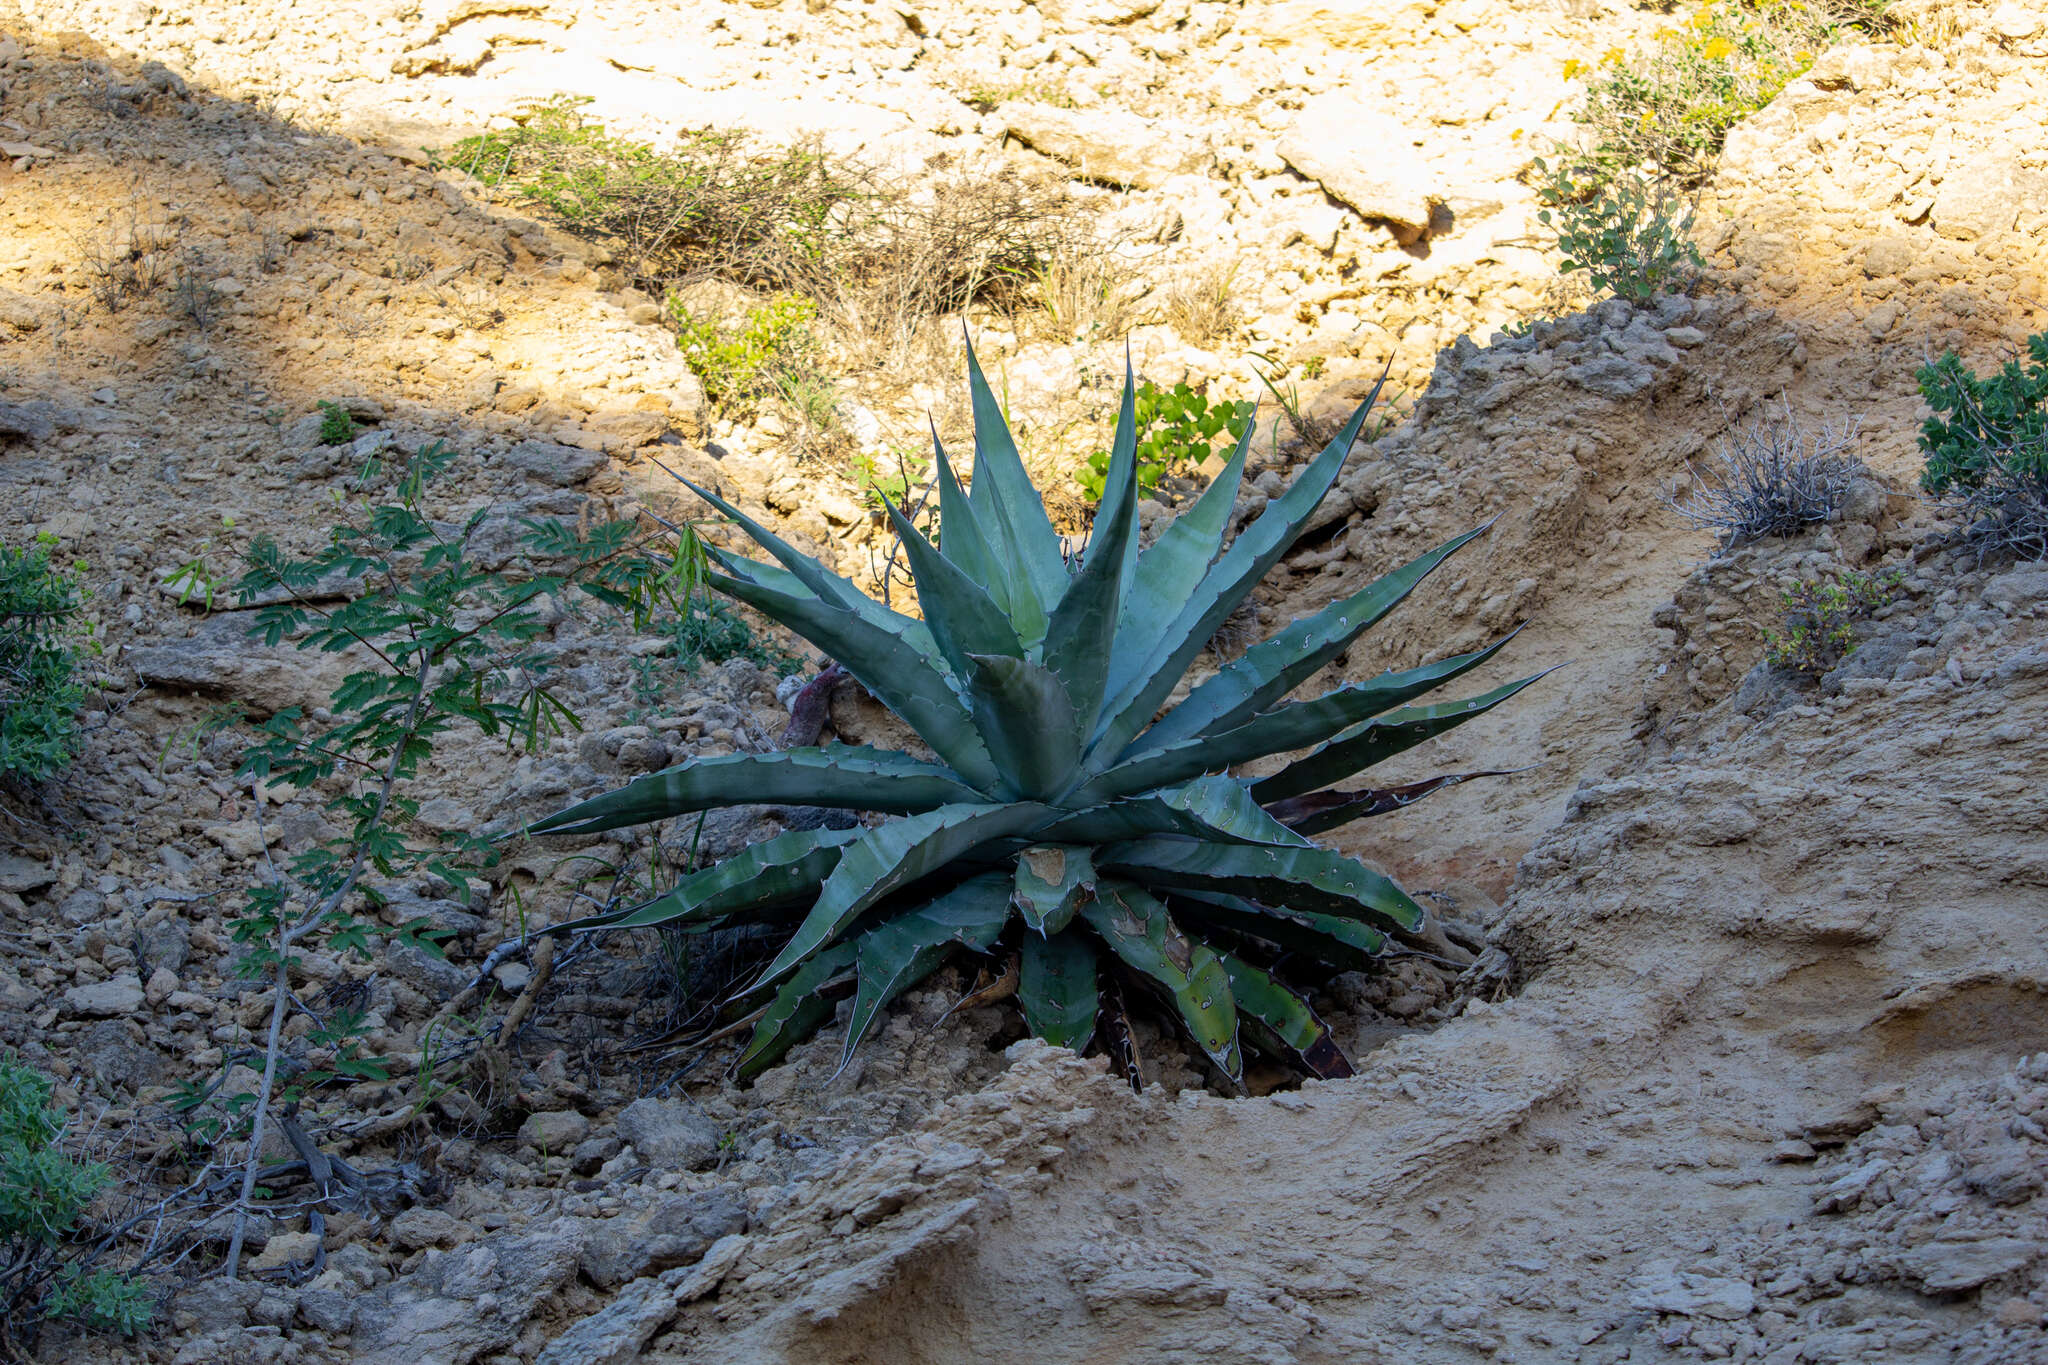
x: 676, y: 1231
x: 1340, y: 23
x: 1952, y: 1267
x: 554, y: 1133
x: 1663, y: 1289
x: 1365, y: 160
x: 669, y: 1133
x: 1103, y: 145
x: 616, y: 1335
x: 560, y: 465
x: 220, y: 658
x: 114, y: 997
x: 24, y: 875
x: 1985, y: 194
x: 462, y: 1304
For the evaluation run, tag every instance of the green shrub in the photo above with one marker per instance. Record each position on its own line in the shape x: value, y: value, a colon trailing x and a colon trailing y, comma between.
x: 44, y: 1196
x: 1175, y: 424
x: 1670, y: 106
x: 1818, y: 629
x: 1974, y: 419
x: 337, y: 426
x: 715, y: 633
x: 744, y: 363
x: 1625, y: 232
x: 1987, y: 447
x: 39, y: 688
x: 1068, y: 814
x: 713, y: 204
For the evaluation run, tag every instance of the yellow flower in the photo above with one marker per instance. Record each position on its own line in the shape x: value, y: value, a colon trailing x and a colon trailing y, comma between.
x: 1572, y: 67
x: 1802, y: 56
x: 1717, y: 49
x: 1613, y: 56
x: 1703, y: 19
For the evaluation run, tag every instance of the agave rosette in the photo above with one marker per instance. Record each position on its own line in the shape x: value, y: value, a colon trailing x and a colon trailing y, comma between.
x: 1062, y: 814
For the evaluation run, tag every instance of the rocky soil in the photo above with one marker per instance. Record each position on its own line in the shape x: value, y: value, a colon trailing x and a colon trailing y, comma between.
x: 1754, y: 1067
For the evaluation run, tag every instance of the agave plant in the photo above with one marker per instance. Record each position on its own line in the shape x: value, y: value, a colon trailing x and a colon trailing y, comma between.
x: 1062, y: 815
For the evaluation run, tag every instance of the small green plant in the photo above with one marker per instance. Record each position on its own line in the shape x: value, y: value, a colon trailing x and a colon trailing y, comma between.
x: 744, y: 363
x: 337, y: 426
x: 1067, y: 815
x: 44, y: 1195
x: 40, y: 641
x: 1987, y: 448
x: 1626, y: 233
x: 445, y: 643
x: 891, y: 480
x: 1818, y: 627
x: 1176, y: 424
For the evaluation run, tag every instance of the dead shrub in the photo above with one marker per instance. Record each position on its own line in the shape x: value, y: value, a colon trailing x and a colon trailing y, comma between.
x: 1200, y: 307
x: 972, y: 234
x: 128, y: 263
x: 1090, y: 293
x: 1772, y: 480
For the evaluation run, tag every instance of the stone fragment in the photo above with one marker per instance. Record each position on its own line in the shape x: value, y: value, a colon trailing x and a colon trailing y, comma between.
x: 616, y: 1334
x: 670, y: 1134
x: 434, y: 977
x: 1952, y: 1267
x: 555, y: 1132
x: 466, y: 1303
x: 24, y: 875
x: 674, y: 1232
x: 560, y: 465
x: 420, y: 1227
x: 220, y: 658
x: 1340, y: 23
x: 1103, y: 145
x: 1367, y: 161
x: 1664, y: 1289
x: 113, y: 998
x: 284, y: 1249
x: 22, y: 422
x: 1984, y: 195
x: 19, y: 312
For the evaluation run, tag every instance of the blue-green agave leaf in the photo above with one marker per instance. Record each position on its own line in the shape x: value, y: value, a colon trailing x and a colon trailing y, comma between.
x: 1027, y: 722
x: 1012, y: 512
x: 1286, y: 1017
x: 1138, y: 929
x: 906, y: 948
x: 1269, y: 671
x: 796, y: 1011
x: 840, y: 776
x: 962, y: 617
x: 1057, y: 988
x: 1051, y: 882
x: 1227, y: 583
x: 777, y: 872
x: 1295, y: 725
x: 906, y: 680
x: 1081, y: 637
x: 1379, y: 739
x: 1206, y: 808
x: 1303, y: 878
x: 891, y: 856
x: 1332, y: 939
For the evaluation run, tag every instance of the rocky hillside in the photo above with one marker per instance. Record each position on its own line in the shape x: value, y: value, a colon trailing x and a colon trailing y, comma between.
x: 1751, y: 1063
